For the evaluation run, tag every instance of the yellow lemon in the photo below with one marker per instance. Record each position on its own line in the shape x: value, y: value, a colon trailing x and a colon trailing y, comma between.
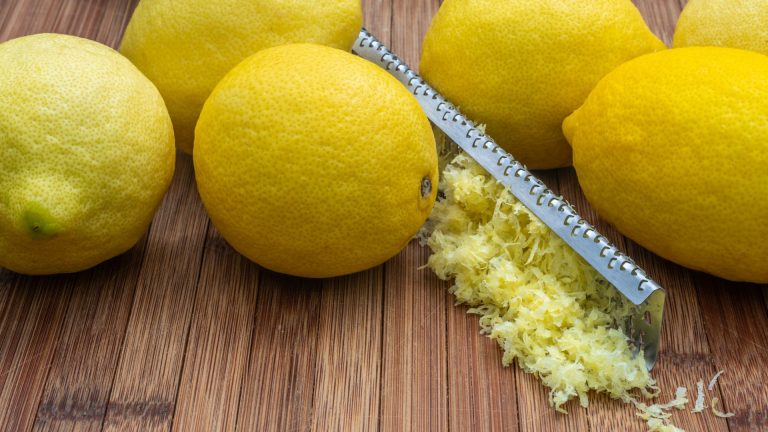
x: 672, y: 148
x: 522, y: 66
x: 86, y: 154
x: 314, y: 162
x: 727, y: 23
x: 186, y: 46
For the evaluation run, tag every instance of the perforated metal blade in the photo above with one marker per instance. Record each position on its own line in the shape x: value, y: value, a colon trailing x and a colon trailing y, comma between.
x: 644, y: 326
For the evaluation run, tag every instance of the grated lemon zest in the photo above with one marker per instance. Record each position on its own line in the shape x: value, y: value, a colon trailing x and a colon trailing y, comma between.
x: 717, y: 412
x: 713, y: 382
x: 657, y: 415
x: 543, y: 304
x: 698, y: 406
x: 657, y: 425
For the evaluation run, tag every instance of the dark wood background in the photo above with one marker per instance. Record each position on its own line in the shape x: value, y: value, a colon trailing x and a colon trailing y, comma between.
x: 182, y: 333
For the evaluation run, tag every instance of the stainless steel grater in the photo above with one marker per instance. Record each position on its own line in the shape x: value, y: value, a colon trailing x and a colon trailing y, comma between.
x: 644, y: 326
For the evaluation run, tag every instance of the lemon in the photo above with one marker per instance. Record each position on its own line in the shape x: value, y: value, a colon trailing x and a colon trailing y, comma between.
x: 522, y: 66
x: 672, y: 148
x: 86, y: 154
x: 727, y: 23
x: 186, y: 46
x: 314, y: 162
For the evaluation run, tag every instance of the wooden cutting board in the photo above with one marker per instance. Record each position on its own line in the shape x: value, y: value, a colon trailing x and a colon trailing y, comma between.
x: 183, y: 333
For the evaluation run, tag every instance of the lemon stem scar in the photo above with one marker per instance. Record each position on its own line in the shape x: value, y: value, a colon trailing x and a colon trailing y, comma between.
x: 39, y: 222
x: 426, y: 187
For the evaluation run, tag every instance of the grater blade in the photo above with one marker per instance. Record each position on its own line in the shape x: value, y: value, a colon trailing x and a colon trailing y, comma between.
x: 644, y: 326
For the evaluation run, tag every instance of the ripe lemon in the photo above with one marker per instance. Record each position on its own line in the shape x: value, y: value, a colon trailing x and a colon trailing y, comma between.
x: 672, y: 148
x: 86, y: 154
x: 314, y: 162
x: 186, y: 46
x: 727, y: 23
x: 522, y: 66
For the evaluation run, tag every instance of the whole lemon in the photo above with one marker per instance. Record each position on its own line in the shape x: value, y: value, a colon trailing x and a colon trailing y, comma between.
x: 672, y: 148
x: 522, y: 66
x: 186, y: 46
x: 727, y: 23
x: 86, y: 154
x: 314, y: 162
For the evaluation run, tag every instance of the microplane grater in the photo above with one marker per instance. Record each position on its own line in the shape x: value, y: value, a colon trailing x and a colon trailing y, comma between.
x: 644, y: 326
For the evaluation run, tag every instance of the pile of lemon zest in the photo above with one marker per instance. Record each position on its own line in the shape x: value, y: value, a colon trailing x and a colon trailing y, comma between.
x: 543, y: 304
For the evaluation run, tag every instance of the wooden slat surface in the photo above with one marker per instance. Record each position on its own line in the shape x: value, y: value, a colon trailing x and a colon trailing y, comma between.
x: 279, y: 385
x: 219, y: 341
x: 81, y: 374
x: 144, y: 389
x: 183, y: 333
x: 29, y: 328
x: 736, y: 325
x: 414, y: 327
x: 346, y: 394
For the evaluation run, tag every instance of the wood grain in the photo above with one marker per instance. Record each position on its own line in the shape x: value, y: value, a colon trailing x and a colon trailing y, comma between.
x: 410, y: 20
x: 278, y: 389
x: 80, y: 379
x: 100, y: 20
x: 482, y: 396
x: 661, y: 16
x: 144, y: 391
x: 183, y: 333
x: 378, y: 18
x: 737, y: 326
x: 414, y: 379
x: 346, y: 395
x: 219, y: 340
x: 30, y: 324
x: 765, y: 295
x: 7, y: 281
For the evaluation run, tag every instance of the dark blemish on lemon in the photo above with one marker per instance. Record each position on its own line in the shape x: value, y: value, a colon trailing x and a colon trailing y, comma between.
x: 426, y: 187
x: 39, y: 222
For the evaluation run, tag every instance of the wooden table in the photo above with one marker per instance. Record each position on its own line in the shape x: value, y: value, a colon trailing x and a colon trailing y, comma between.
x: 182, y: 332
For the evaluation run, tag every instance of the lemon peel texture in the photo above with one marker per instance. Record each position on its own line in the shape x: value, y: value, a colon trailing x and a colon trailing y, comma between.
x: 724, y: 23
x: 522, y: 66
x: 672, y: 149
x: 86, y: 154
x: 314, y: 162
x: 186, y: 46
